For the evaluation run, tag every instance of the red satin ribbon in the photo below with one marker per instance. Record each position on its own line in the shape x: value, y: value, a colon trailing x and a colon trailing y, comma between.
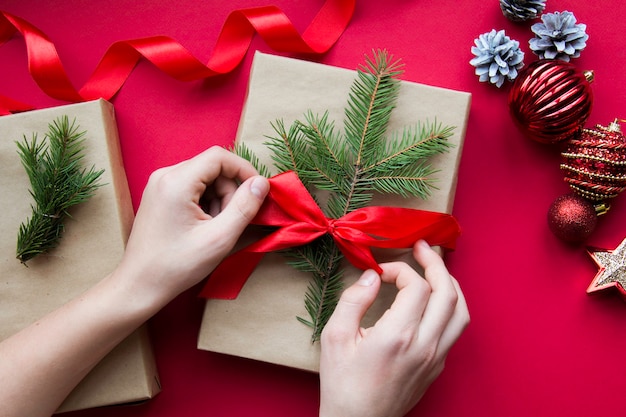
x: 169, y: 56
x: 290, y: 207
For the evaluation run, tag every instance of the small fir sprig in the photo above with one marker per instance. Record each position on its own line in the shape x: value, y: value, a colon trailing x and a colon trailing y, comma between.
x: 58, y: 182
x: 351, y: 166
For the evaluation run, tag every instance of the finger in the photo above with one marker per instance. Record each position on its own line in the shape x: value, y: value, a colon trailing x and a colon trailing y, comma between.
x: 217, y: 196
x: 444, y: 296
x: 242, y: 207
x: 459, y: 321
x: 344, y: 324
x: 218, y: 161
x: 411, y: 300
x: 212, y: 163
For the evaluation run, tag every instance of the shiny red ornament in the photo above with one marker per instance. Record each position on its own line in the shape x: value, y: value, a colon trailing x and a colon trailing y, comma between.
x: 594, y: 162
x: 551, y: 100
x: 572, y: 218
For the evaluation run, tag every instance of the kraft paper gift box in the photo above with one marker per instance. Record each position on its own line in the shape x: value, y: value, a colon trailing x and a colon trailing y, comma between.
x: 261, y: 323
x: 90, y: 248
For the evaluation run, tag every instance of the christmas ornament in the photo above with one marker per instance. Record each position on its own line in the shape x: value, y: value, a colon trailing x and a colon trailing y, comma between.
x: 612, y: 273
x: 497, y: 57
x: 558, y: 37
x: 572, y: 218
x: 522, y: 10
x: 594, y: 163
x: 551, y: 100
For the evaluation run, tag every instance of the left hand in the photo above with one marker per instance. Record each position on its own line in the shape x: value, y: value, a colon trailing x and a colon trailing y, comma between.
x: 175, y: 243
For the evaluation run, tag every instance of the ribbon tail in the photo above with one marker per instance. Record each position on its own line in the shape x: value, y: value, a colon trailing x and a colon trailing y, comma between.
x: 358, y: 255
x: 230, y: 276
x: 9, y: 106
x: 442, y: 233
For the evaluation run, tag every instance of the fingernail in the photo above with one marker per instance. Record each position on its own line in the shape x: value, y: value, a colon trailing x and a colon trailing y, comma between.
x: 423, y: 244
x: 367, y: 278
x: 260, y: 187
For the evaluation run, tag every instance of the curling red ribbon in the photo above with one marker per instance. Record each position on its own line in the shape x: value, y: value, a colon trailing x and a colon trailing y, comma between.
x: 169, y: 56
x: 290, y: 207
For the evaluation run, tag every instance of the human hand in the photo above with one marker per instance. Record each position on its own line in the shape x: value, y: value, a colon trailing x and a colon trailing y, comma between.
x: 191, y: 215
x: 383, y: 371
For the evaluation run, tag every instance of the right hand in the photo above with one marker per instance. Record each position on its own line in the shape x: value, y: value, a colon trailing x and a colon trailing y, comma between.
x: 383, y: 371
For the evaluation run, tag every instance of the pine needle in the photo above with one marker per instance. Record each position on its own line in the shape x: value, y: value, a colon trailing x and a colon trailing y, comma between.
x: 243, y: 151
x: 58, y: 182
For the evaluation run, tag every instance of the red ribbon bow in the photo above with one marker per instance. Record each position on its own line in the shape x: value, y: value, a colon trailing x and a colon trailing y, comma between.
x: 168, y: 55
x: 290, y: 207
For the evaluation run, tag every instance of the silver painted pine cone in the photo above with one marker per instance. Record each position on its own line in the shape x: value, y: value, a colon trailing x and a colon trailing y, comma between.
x: 522, y: 10
x: 497, y: 57
x: 558, y: 36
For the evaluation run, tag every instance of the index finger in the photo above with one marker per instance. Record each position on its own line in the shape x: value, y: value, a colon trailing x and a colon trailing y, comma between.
x: 216, y: 161
x: 412, y: 298
x: 444, y: 297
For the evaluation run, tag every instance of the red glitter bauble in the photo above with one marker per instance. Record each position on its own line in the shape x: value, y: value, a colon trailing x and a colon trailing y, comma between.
x: 551, y: 100
x: 594, y: 162
x: 572, y: 218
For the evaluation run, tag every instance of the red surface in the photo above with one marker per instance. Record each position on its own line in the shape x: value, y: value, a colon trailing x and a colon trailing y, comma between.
x: 537, y: 344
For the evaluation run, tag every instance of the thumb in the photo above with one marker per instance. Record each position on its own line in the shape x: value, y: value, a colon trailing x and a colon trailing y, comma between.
x: 353, y: 304
x: 244, y: 205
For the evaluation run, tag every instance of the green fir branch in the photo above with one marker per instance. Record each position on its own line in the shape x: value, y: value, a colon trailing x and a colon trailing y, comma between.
x: 352, y: 165
x: 58, y: 182
x: 328, y: 165
x: 322, y: 259
x: 243, y: 151
x: 420, y: 143
x: 289, y: 148
x: 371, y: 101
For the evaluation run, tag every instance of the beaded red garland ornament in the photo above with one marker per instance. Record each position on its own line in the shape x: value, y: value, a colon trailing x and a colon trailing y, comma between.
x: 595, y: 162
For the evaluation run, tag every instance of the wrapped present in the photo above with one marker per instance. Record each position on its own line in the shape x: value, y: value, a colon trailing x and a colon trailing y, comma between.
x: 261, y: 322
x: 91, y: 247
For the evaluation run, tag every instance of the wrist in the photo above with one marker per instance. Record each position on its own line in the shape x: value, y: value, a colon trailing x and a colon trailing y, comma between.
x: 133, y: 299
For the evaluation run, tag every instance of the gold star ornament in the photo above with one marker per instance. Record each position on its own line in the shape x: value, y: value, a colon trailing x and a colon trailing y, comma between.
x: 612, y: 271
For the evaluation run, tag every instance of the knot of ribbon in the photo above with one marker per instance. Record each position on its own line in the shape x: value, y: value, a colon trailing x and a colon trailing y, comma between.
x: 291, y: 208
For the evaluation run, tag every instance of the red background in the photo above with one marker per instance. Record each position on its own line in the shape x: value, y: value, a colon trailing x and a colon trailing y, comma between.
x: 537, y: 344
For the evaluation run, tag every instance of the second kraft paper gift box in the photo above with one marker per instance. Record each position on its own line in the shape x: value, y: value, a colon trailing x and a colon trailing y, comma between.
x: 261, y: 322
x: 91, y: 247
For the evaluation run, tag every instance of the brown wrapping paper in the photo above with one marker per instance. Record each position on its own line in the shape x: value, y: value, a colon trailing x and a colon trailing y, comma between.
x: 90, y: 248
x: 261, y: 323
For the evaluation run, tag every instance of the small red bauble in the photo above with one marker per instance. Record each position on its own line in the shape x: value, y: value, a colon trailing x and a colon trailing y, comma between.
x: 551, y: 100
x: 594, y: 162
x: 572, y: 218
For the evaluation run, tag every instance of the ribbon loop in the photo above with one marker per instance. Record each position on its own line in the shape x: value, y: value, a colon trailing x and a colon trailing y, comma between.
x: 290, y: 207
